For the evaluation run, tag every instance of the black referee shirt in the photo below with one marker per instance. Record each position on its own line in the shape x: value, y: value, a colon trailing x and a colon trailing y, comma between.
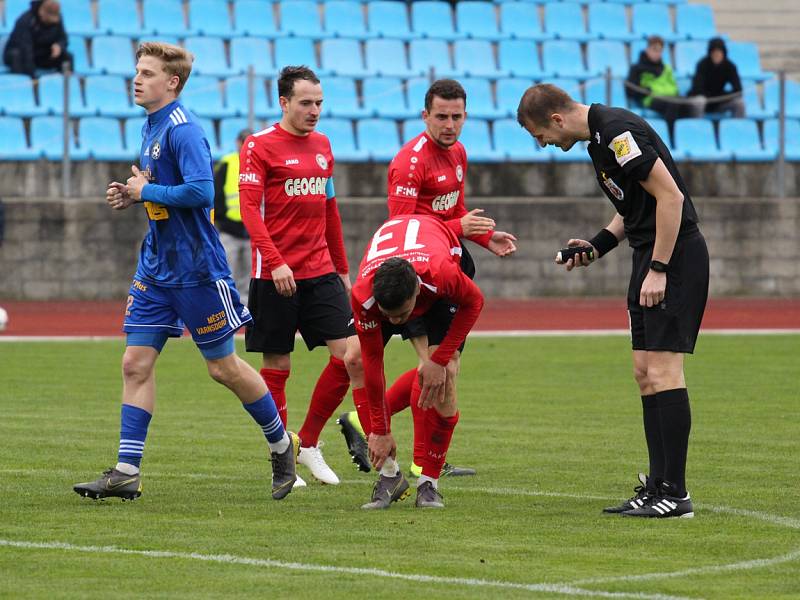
x: 623, y: 149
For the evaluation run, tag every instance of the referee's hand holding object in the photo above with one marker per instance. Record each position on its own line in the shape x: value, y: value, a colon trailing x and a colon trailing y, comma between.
x: 580, y: 259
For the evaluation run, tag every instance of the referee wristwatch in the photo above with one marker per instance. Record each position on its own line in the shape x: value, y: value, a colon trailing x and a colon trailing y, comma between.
x: 659, y: 267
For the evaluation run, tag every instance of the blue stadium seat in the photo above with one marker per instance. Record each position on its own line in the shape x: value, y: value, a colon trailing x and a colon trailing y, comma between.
x: 295, y: 51
x: 78, y: 19
x: 387, y: 57
x: 753, y: 107
x: 133, y: 134
x: 51, y: 96
x: 791, y: 138
x: 475, y: 58
x: 792, y: 98
x: 509, y: 93
x: 211, y: 17
x: 576, y: 154
x: 520, y: 58
x: 247, y: 51
x: 3, y: 41
x: 660, y: 126
x: 687, y: 55
x: 610, y: 22
x: 113, y: 55
x: 695, y: 140
x: 343, y: 141
x: 210, y: 131
x: 378, y: 138
x: 47, y: 138
x: 16, y: 96
x: 570, y: 85
x: 341, y: 98
x: 164, y: 17
x: 480, y: 102
x: 209, y: 56
x: 389, y: 19
x: 639, y: 46
x: 521, y: 20
x: 695, y: 22
x: 254, y: 17
x: 342, y: 57
x: 301, y: 18
x: 745, y: 56
x: 14, y: 9
x: 237, y: 97
x: 229, y: 130
x: 385, y: 97
x: 427, y: 54
x: 102, y: 138
x: 411, y: 128
x: 595, y: 90
x: 478, y: 141
x: 740, y: 137
x: 203, y: 96
x: 13, y: 144
x: 416, y: 88
x: 344, y: 18
x: 564, y: 59
x: 652, y: 19
x: 663, y: 1
x: 565, y: 21
x: 107, y: 95
x: 516, y: 144
x: 433, y: 19
x: 604, y: 54
x: 477, y: 20
x: 118, y: 17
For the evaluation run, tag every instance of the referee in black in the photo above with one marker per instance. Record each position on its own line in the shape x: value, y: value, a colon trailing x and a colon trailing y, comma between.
x: 669, y: 280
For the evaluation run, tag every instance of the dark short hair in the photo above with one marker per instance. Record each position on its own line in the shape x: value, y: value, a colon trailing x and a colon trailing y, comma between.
x: 244, y: 134
x: 655, y: 40
x: 394, y: 284
x: 446, y: 89
x: 540, y: 101
x: 289, y: 75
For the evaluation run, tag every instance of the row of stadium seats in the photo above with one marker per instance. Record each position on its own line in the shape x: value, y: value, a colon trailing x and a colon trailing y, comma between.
x: 389, y: 97
x: 342, y: 18
x: 103, y: 138
x: 115, y: 55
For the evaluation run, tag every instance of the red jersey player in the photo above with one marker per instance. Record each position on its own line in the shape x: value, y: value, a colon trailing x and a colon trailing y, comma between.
x: 300, y: 275
x: 411, y: 264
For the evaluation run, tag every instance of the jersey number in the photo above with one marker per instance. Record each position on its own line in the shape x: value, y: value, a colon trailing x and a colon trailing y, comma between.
x: 382, y: 235
x: 156, y: 212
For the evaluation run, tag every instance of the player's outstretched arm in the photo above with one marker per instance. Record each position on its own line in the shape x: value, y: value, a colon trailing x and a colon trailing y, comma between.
x: 502, y: 243
x: 473, y: 223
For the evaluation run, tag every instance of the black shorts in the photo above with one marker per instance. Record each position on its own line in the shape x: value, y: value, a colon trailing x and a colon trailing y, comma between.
x: 673, y: 324
x: 320, y: 310
x: 436, y: 321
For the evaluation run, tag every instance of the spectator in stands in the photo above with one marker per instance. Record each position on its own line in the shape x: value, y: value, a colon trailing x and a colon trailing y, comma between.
x: 227, y: 217
x: 713, y: 73
x: 651, y: 84
x: 38, y: 40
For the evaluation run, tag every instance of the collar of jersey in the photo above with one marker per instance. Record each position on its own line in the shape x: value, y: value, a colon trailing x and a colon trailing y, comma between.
x: 161, y: 114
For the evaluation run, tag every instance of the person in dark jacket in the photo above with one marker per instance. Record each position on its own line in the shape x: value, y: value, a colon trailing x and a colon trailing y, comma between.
x: 713, y: 74
x: 38, y: 40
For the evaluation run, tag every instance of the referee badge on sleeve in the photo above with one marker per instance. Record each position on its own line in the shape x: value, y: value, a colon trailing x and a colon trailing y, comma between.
x: 625, y: 148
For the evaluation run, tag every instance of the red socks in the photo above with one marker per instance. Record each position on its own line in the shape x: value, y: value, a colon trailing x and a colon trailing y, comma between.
x: 439, y: 433
x: 276, y: 382
x: 327, y: 396
x: 362, y: 409
x: 398, y: 397
x: 420, y: 423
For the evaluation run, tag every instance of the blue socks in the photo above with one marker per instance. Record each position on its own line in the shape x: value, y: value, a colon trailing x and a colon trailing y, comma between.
x: 132, y: 433
x: 266, y: 415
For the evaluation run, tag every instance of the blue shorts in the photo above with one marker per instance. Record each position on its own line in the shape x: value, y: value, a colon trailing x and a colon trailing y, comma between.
x: 211, y: 312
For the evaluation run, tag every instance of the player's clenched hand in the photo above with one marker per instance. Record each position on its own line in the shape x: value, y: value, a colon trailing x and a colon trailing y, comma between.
x: 502, y: 244
x: 380, y: 448
x: 653, y: 290
x: 432, y: 377
x: 136, y: 182
x: 473, y: 224
x: 117, y: 196
x: 283, y: 278
x: 581, y: 260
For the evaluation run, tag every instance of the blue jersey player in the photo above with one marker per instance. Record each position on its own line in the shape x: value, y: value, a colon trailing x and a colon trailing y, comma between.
x: 182, y: 279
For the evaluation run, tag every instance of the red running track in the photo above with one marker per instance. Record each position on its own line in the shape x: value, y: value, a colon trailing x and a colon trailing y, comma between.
x: 105, y: 318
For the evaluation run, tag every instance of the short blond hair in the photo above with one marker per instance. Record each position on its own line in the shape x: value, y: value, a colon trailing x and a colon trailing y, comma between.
x: 177, y: 61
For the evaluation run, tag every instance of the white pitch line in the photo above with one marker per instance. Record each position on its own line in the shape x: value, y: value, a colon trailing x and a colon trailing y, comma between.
x: 295, y: 566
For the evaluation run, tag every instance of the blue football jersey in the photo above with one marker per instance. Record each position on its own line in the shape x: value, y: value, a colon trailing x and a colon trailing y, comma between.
x: 182, y: 247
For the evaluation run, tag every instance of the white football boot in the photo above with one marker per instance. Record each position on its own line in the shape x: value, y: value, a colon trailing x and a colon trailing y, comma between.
x: 311, y: 457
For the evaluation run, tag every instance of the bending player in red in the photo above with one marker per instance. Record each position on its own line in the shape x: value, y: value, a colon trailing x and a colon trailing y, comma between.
x: 412, y: 263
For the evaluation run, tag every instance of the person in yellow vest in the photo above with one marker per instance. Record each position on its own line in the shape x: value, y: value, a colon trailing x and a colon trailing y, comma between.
x: 227, y: 218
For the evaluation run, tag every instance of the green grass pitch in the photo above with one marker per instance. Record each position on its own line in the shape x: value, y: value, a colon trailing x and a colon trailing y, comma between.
x: 553, y: 426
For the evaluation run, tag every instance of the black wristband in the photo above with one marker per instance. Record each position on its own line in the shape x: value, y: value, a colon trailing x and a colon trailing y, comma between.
x: 604, y: 242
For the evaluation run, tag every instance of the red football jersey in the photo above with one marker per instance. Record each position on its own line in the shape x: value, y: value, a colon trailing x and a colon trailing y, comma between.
x: 426, y: 179
x: 285, y: 185
x: 434, y: 251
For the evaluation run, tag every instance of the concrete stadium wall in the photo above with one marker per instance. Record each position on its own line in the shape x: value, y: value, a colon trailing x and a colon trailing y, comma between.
x: 80, y: 249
